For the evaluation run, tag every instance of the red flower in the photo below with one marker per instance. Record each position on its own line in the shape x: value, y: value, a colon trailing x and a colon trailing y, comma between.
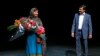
x: 29, y: 24
x: 40, y: 30
x: 33, y: 23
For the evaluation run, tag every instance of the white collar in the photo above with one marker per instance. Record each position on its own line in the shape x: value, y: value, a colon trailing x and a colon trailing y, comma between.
x: 84, y: 13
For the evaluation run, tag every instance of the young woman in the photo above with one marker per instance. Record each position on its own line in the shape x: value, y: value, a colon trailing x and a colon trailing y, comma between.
x: 34, y: 44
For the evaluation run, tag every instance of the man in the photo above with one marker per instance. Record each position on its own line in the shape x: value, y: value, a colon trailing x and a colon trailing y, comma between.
x: 82, y: 29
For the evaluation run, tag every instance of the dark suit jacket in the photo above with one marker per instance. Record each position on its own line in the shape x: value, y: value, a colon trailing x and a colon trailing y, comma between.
x: 86, y: 27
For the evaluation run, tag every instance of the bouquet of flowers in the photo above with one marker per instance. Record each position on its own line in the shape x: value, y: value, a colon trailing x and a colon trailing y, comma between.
x: 41, y: 32
x: 27, y: 23
x: 22, y: 24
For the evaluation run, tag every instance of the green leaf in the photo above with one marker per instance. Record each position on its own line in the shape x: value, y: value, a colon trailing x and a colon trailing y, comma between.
x: 11, y: 27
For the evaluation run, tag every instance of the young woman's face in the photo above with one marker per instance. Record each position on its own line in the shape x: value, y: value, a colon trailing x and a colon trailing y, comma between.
x: 35, y: 13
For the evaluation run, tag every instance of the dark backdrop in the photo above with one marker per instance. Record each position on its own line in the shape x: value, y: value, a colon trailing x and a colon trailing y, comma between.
x: 57, y: 17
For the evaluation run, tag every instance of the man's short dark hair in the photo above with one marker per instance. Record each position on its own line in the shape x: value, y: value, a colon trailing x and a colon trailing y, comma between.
x: 84, y: 7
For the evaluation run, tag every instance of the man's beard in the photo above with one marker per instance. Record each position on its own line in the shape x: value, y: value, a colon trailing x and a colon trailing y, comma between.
x: 80, y: 12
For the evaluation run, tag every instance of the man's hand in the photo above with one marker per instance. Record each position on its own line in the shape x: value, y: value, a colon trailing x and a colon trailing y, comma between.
x: 90, y: 36
x: 72, y: 34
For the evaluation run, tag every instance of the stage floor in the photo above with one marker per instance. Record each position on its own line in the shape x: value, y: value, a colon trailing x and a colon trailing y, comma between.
x: 54, y: 50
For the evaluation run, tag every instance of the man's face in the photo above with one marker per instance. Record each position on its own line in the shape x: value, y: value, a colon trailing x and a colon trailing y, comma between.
x: 81, y: 10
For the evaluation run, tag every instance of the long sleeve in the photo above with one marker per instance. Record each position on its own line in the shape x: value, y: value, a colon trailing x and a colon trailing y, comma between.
x: 73, y: 25
x: 90, y: 25
x: 40, y: 22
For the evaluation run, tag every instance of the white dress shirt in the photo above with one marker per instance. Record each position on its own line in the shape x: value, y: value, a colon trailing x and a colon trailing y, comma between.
x: 81, y: 18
